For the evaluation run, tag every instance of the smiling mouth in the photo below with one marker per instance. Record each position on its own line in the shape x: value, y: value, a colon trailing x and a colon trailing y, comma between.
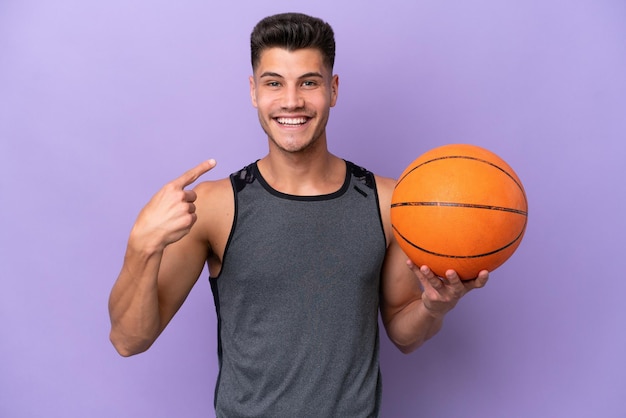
x: 292, y: 121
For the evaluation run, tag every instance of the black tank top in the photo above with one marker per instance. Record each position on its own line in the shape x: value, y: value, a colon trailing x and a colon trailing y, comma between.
x: 297, y: 301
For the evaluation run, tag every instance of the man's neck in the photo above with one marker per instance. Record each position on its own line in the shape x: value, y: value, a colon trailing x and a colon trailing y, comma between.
x: 303, y: 174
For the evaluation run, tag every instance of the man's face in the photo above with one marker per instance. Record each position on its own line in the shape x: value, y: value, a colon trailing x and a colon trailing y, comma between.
x: 293, y: 93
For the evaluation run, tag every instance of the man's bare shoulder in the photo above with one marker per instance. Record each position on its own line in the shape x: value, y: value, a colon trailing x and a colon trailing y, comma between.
x: 214, y: 196
x: 211, y: 188
x: 385, y: 186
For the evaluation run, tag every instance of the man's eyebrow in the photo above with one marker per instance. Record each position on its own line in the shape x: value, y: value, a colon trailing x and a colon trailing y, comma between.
x: 270, y: 74
x: 312, y: 74
x: 306, y: 75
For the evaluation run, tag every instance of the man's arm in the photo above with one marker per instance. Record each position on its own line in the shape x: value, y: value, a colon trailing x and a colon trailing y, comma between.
x: 164, y: 257
x: 413, y: 300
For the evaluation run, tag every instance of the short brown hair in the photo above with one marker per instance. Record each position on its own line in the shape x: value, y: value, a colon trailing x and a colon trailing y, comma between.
x: 293, y: 31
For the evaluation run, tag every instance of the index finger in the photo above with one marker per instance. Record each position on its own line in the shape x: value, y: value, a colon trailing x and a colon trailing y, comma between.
x: 193, y: 174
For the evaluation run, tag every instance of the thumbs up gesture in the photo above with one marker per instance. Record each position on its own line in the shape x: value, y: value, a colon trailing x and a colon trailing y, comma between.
x: 171, y: 212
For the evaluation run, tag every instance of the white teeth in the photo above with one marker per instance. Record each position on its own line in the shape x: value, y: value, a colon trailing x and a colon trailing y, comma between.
x: 291, y: 121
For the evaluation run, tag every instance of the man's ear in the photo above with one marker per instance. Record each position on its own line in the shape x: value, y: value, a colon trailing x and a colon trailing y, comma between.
x: 253, y: 91
x: 334, y: 90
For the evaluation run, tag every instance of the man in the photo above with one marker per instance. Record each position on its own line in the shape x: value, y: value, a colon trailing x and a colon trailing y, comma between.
x: 299, y: 248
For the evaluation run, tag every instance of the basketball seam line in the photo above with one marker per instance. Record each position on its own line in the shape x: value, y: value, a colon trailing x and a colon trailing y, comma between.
x: 460, y: 256
x: 462, y: 205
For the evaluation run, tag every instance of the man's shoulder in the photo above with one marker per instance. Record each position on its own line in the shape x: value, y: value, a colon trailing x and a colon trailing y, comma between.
x: 214, y: 194
x: 215, y: 209
x: 385, y: 183
x: 213, y: 186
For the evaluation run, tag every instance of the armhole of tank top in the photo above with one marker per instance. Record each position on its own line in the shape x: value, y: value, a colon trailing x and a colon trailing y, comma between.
x: 232, y: 229
x: 378, y: 209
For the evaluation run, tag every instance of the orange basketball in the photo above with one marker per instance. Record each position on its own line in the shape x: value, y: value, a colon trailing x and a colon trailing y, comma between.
x: 459, y: 207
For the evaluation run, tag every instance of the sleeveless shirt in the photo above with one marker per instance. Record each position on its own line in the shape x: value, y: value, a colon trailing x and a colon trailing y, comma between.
x: 297, y: 301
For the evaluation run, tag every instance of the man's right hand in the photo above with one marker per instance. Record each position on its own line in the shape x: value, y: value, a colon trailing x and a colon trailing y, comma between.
x: 170, y: 214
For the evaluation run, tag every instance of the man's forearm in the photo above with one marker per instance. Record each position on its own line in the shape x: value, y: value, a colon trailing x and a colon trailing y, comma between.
x: 134, y: 303
x: 413, y: 326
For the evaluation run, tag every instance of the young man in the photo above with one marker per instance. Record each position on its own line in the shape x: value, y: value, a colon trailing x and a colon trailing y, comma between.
x: 299, y: 248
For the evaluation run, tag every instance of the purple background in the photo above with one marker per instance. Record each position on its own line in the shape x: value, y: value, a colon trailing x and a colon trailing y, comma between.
x: 103, y: 102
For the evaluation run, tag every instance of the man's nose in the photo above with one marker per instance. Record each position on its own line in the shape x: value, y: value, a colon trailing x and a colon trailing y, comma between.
x: 292, y: 98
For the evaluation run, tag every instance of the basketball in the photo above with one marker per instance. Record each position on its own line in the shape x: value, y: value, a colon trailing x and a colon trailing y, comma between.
x: 459, y: 207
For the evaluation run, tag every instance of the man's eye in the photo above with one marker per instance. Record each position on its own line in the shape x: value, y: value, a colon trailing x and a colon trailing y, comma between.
x: 309, y: 83
x: 273, y: 84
